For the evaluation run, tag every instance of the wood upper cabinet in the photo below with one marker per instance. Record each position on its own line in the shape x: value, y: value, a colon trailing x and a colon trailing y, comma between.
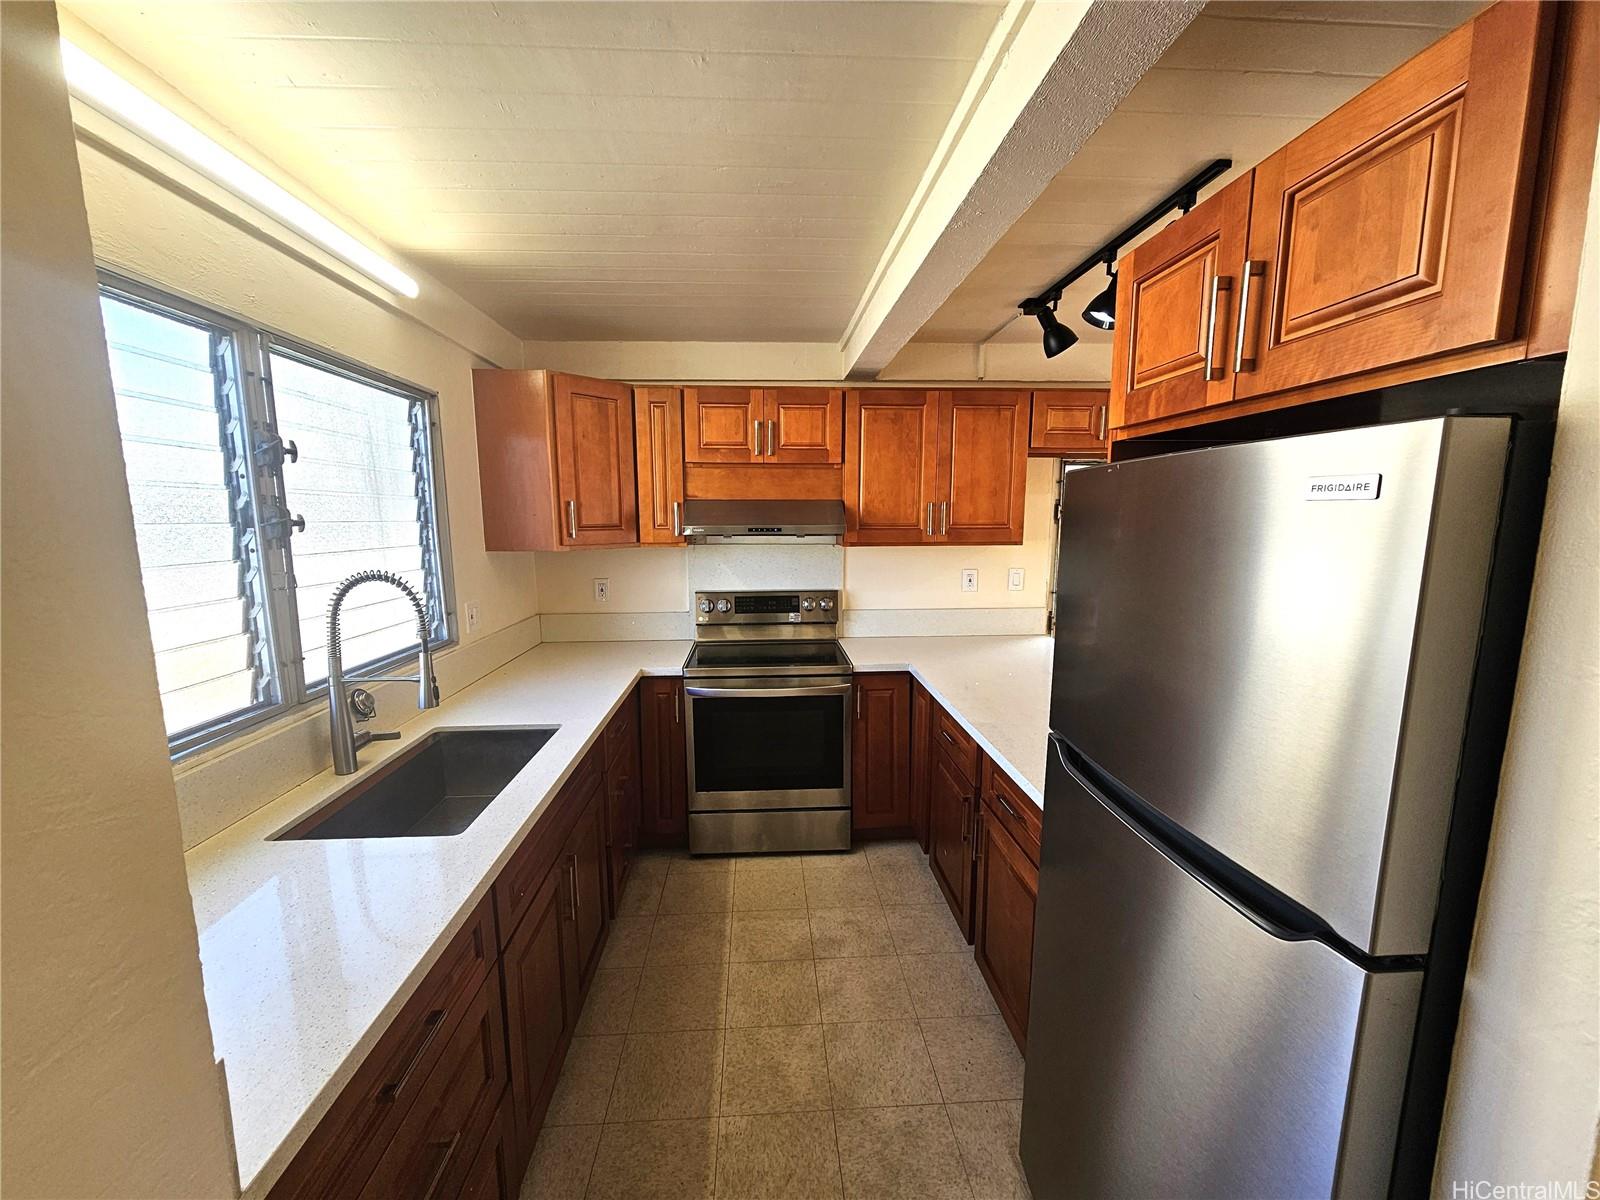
x: 934, y: 467
x: 735, y: 425
x: 1394, y: 229
x: 663, y: 774
x: 658, y: 445
x: 880, y: 753
x: 555, y: 460
x: 1070, y: 423
x: 1174, y: 311
x: 983, y: 454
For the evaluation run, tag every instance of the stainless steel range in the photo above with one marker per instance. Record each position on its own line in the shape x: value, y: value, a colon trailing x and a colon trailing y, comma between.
x: 768, y: 696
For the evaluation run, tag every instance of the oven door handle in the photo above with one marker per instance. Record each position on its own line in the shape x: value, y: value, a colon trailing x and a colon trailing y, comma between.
x: 761, y: 693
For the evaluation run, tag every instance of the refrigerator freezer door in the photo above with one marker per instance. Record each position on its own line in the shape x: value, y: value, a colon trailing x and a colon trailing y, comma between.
x: 1273, y: 644
x: 1178, y: 1050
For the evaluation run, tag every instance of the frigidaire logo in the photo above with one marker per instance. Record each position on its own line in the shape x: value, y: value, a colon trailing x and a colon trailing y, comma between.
x: 1343, y: 487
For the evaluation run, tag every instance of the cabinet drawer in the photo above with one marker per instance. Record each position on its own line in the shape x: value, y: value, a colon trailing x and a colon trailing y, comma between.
x: 622, y: 731
x: 958, y: 745
x: 346, y: 1144
x: 520, y: 879
x: 431, y: 1154
x: 1013, y: 809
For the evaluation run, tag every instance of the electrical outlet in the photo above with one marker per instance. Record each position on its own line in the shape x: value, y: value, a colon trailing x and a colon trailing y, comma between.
x: 602, y: 591
x: 1014, y: 579
x: 969, y: 580
x: 472, y: 617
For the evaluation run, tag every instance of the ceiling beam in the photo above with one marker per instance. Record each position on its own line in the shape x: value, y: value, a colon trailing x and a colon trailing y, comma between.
x: 1050, y: 74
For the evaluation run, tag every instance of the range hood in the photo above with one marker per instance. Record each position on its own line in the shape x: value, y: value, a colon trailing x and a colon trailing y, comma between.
x: 786, y: 521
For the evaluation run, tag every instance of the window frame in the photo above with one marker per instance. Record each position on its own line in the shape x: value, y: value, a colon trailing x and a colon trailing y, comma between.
x: 251, y: 345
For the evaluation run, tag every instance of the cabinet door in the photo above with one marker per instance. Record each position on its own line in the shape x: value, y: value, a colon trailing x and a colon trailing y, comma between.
x: 664, y: 780
x: 586, y: 860
x: 658, y: 437
x: 1070, y: 423
x: 494, y: 1174
x: 922, y: 707
x: 1007, y: 894
x: 540, y: 1010
x: 983, y: 454
x: 594, y: 462
x: 804, y: 425
x: 949, y: 834
x: 721, y: 424
x: 1174, y: 312
x: 1394, y: 229
x: 880, y: 753
x: 891, y: 453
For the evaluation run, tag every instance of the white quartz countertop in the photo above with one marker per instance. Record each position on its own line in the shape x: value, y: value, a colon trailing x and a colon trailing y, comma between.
x: 310, y: 948
x: 997, y: 688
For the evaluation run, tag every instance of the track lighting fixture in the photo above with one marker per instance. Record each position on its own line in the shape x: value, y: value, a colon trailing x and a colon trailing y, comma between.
x: 1102, y: 310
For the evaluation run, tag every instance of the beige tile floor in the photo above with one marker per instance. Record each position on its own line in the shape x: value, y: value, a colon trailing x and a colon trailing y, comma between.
x: 773, y: 1028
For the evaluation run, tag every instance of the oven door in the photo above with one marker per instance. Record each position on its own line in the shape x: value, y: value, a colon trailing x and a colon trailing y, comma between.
x: 768, y: 743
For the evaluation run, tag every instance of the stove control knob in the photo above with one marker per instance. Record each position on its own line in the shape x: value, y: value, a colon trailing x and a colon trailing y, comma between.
x: 724, y: 605
x: 807, y: 604
x: 826, y: 604
x: 705, y: 604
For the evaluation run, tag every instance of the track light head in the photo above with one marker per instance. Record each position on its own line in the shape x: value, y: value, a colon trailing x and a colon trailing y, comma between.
x: 1057, y: 337
x: 1102, y: 310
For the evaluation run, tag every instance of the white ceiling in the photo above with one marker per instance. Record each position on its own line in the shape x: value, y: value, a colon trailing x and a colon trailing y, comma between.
x: 1243, y: 79
x: 593, y: 171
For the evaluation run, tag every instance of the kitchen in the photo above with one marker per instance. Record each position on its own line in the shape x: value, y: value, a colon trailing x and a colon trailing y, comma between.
x: 703, y: 888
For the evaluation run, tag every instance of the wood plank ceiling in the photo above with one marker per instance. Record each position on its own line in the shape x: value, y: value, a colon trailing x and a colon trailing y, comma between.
x: 629, y: 171
x: 1243, y: 79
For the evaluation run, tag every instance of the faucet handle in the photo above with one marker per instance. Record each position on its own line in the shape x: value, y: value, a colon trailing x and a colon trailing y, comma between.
x: 362, y: 704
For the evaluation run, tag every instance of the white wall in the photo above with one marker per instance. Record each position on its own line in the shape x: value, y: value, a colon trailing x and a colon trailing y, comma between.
x: 1524, y: 1099
x: 110, y: 1085
x: 150, y: 220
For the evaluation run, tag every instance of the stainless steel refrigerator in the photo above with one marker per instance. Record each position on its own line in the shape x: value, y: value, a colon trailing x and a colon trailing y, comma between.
x: 1265, y: 663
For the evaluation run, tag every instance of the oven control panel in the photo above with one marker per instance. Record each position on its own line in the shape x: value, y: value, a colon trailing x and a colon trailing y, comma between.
x: 808, y: 607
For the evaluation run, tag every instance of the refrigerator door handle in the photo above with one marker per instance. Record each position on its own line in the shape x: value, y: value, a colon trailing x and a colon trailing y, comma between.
x: 1248, y: 894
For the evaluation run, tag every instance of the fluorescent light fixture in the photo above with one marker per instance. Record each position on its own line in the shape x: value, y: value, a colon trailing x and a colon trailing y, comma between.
x: 94, y: 83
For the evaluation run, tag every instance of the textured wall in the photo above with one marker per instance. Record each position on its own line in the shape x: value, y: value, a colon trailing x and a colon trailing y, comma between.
x: 1524, y: 1099
x: 110, y: 1087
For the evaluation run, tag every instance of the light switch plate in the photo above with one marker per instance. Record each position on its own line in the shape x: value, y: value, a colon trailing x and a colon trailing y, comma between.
x: 1014, y: 578
x: 969, y: 580
x: 602, y: 591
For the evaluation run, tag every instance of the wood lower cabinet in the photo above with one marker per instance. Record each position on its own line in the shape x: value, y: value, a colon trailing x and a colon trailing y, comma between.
x: 541, y: 981
x: 622, y: 797
x: 1007, y: 892
x: 663, y: 776
x: 880, y: 755
x: 585, y: 856
x: 935, y: 467
x: 922, y: 710
x: 658, y: 450
x: 493, y: 1174
x: 951, y: 797
x: 1070, y: 423
x: 555, y: 460
x: 431, y: 1154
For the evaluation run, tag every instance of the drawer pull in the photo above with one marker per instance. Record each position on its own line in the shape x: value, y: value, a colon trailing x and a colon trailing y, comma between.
x: 434, y: 1022
x: 444, y: 1161
x: 1011, y: 812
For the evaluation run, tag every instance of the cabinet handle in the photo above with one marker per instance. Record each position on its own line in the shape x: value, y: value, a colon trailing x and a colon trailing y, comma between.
x: 977, y: 828
x: 772, y: 427
x: 1000, y: 796
x: 572, y: 520
x: 677, y: 519
x: 1104, y: 417
x: 1252, y: 268
x: 677, y: 700
x: 1219, y: 284
x: 444, y: 1161
x: 966, y: 818
x: 944, y: 517
x: 930, y: 518
x: 858, y: 702
x: 577, y: 900
x: 434, y: 1022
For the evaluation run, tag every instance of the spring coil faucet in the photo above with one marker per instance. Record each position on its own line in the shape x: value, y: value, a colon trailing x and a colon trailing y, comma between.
x: 341, y: 729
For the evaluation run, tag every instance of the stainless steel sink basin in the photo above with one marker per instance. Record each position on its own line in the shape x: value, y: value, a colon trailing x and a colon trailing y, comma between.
x: 436, y: 788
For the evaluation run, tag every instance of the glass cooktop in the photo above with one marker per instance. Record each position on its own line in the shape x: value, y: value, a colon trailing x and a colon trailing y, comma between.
x: 808, y: 656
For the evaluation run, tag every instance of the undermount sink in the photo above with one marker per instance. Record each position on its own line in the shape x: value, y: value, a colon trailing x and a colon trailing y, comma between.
x: 436, y: 788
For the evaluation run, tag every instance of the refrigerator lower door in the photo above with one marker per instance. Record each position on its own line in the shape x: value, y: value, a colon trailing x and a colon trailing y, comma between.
x: 1177, y: 1050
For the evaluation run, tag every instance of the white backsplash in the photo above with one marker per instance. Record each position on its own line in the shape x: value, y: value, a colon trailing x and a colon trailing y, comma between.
x: 765, y: 568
